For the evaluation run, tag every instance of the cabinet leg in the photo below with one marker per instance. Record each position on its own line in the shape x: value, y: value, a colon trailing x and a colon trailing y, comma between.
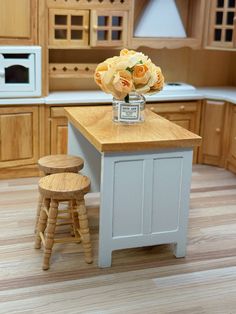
x: 179, y: 250
x: 104, y: 257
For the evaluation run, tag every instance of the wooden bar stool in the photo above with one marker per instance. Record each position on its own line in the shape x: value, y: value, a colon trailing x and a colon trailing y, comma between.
x: 54, y: 189
x: 57, y: 164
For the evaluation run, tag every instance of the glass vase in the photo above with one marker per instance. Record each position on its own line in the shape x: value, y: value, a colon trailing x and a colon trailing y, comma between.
x: 129, y: 112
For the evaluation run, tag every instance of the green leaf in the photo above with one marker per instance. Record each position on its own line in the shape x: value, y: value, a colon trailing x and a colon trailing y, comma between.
x: 131, y: 70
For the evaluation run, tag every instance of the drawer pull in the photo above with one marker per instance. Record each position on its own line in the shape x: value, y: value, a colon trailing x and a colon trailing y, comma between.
x: 218, y: 130
x: 152, y: 109
x: 182, y: 107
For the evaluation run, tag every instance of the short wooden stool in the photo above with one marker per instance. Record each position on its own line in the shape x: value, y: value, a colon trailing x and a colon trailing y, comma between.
x: 54, y: 189
x: 57, y: 164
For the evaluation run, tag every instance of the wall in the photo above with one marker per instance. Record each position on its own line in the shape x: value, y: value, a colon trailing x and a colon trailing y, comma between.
x: 196, y: 67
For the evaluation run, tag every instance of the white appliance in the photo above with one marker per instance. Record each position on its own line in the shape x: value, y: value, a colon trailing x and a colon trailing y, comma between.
x: 20, y: 71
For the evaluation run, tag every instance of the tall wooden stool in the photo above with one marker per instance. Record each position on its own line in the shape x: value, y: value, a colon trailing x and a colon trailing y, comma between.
x: 57, y: 164
x: 54, y: 189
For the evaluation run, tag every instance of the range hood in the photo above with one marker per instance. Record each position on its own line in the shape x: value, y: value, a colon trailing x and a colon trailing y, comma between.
x: 160, y: 18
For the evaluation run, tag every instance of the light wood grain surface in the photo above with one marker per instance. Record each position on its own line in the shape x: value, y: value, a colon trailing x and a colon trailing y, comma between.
x: 142, y: 280
x: 96, y: 124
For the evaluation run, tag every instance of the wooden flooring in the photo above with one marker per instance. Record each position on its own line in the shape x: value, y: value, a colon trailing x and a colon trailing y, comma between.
x: 143, y: 280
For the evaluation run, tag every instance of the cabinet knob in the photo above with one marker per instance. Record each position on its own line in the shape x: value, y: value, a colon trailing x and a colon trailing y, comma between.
x: 86, y: 27
x: 95, y: 27
x: 182, y: 107
x: 152, y: 108
x: 218, y: 130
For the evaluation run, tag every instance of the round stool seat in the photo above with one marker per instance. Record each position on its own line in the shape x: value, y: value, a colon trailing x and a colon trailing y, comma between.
x: 64, y: 186
x: 60, y: 163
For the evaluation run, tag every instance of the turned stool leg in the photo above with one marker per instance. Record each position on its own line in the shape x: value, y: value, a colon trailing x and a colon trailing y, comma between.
x: 84, y: 230
x: 75, y: 220
x: 40, y: 203
x: 50, y: 230
x: 42, y: 223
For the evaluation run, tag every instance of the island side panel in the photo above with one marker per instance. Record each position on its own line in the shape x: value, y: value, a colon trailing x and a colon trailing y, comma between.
x: 130, y: 204
x: 79, y: 146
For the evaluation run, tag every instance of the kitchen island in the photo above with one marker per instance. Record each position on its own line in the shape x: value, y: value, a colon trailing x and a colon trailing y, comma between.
x: 143, y: 173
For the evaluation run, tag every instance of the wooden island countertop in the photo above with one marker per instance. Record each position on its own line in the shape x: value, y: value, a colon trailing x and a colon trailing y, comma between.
x: 95, y: 123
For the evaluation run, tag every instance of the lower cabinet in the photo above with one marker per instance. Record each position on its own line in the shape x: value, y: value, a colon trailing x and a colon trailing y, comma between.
x: 19, y: 140
x: 213, y: 133
x: 58, y: 131
x: 185, y: 114
x: 231, y: 152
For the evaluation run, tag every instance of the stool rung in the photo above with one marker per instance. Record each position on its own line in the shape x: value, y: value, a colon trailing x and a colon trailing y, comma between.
x: 67, y: 240
x: 63, y: 223
x: 42, y: 237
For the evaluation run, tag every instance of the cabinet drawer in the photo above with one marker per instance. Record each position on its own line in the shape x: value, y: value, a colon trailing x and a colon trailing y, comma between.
x: 173, y: 107
x: 57, y: 112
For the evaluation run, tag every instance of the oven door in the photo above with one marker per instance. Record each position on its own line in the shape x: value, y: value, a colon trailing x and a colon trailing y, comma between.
x: 17, y: 72
x: 20, y: 71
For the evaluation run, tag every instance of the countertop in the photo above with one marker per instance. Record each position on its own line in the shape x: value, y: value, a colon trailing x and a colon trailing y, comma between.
x: 95, y: 123
x: 225, y: 93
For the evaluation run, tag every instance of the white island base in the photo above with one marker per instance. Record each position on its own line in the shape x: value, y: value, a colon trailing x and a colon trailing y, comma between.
x: 144, y: 195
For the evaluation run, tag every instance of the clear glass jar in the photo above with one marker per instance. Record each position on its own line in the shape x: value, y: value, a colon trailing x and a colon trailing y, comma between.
x: 129, y: 112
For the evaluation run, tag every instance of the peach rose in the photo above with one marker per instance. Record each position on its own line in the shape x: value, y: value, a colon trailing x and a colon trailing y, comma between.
x: 125, y: 52
x: 122, y: 84
x: 99, y: 72
x: 141, y: 74
x: 159, y: 83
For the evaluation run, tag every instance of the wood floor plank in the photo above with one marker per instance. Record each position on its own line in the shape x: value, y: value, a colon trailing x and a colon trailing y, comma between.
x: 141, y: 280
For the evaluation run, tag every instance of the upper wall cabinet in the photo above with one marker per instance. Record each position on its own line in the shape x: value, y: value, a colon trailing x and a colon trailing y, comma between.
x: 83, y: 24
x: 221, y: 26
x: 18, y: 22
x: 167, y: 23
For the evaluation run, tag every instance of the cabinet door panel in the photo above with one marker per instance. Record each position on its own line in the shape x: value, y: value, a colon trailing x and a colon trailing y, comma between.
x: 213, y: 124
x: 108, y: 28
x: 68, y: 28
x: 15, y: 18
x: 59, y: 135
x: 19, y: 136
x: 16, y: 135
x: 183, y: 123
x: 233, y: 136
x: 212, y: 133
x: 18, y: 21
x: 221, y: 28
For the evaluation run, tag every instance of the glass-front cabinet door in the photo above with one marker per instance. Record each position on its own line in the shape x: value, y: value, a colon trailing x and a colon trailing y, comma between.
x: 222, y: 24
x: 109, y: 28
x: 68, y: 28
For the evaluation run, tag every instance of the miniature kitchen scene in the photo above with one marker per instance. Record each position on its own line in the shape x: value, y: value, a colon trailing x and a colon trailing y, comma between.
x: 118, y: 156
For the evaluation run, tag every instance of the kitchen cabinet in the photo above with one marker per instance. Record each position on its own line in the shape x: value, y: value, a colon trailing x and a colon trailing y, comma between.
x: 162, y: 21
x: 18, y: 22
x: 84, y: 25
x: 221, y: 24
x: 19, y: 138
x: 213, y: 133
x: 58, y: 131
x: 185, y: 114
x: 231, y: 153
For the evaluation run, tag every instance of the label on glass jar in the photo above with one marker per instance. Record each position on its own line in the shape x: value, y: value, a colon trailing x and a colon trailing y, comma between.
x: 128, y: 113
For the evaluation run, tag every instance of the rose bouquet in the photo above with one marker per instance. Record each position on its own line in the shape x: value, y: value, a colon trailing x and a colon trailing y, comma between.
x: 130, y: 72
